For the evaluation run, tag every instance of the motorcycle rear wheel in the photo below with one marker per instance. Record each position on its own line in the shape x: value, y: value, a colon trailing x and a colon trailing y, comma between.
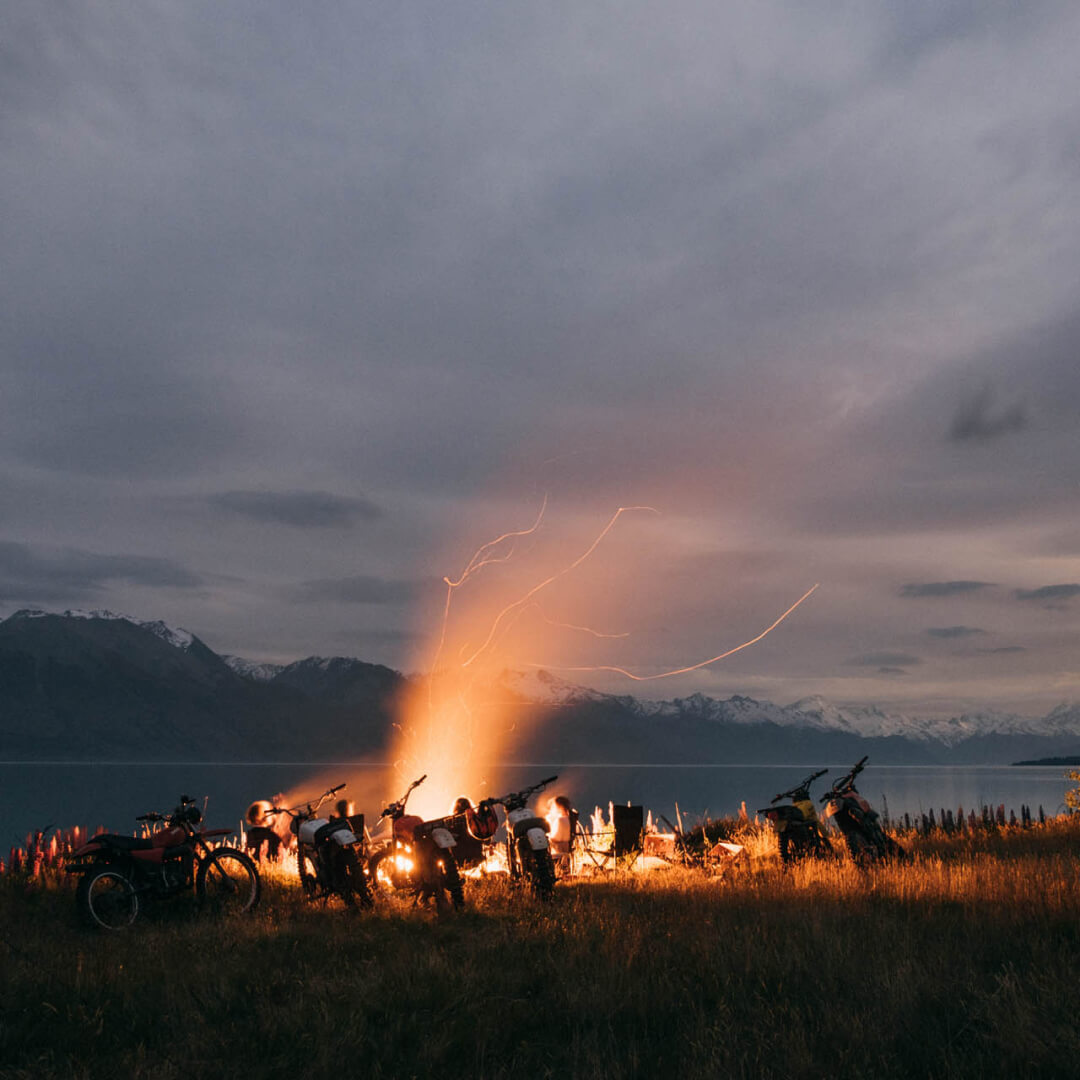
x: 542, y: 877
x: 228, y: 882
x: 538, y: 869
x: 452, y: 881
x: 108, y: 899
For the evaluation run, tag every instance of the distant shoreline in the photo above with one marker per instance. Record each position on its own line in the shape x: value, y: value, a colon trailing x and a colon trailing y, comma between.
x: 1072, y: 760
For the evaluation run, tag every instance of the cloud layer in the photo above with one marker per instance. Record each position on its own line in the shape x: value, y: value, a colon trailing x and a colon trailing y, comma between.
x: 303, y: 305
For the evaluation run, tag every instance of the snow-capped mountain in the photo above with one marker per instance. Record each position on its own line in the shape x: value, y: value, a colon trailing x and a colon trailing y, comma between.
x: 810, y: 714
x: 176, y: 636
x: 85, y: 682
x: 254, y: 670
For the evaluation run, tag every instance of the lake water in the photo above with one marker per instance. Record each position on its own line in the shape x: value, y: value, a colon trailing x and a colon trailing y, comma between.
x: 36, y: 794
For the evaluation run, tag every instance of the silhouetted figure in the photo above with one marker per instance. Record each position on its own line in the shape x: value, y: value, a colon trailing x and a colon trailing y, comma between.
x: 470, y: 850
x: 266, y: 833
x: 563, y: 819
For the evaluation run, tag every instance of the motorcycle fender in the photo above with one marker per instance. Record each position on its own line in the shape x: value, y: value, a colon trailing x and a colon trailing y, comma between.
x: 524, y: 825
x: 343, y: 837
x: 523, y: 813
x: 538, y: 840
x: 308, y: 829
x: 443, y: 838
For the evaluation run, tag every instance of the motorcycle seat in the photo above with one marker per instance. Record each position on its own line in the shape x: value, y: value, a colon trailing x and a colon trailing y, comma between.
x: 123, y: 843
x: 332, y: 826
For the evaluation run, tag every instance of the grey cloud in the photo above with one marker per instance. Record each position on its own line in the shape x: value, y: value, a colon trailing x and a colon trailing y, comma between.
x: 885, y: 659
x: 953, y: 631
x: 943, y: 588
x: 1050, y: 595
x: 303, y: 509
x: 981, y: 418
x: 1064, y: 542
x: 29, y: 575
x: 892, y: 671
x: 358, y: 589
x: 419, y: 254
x: 1003, y: 650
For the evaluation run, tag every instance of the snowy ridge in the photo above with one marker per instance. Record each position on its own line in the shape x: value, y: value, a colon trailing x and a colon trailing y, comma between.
x: 176, y: 636
x: 253, y: 669
x: 813, y: 713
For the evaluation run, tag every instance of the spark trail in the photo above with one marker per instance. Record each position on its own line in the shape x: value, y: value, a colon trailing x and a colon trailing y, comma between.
x: 522, y: 601
x: 692, y: 667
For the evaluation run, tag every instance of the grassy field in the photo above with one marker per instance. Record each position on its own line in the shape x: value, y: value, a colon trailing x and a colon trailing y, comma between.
x: 964, y: 963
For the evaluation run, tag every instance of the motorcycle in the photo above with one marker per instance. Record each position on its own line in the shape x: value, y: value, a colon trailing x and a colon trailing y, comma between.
x: 117, y: 873
x: 419, y: 856
x: 329, y: 852
x: 798, y: 830
x: 528, y: 853
x: 858, y: 821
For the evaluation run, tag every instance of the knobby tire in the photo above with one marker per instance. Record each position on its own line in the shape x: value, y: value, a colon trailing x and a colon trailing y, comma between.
x: 228, y: 881
x: 108, y: 899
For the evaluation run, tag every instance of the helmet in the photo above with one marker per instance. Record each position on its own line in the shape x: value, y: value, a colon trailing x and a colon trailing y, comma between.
x: 482, y: 822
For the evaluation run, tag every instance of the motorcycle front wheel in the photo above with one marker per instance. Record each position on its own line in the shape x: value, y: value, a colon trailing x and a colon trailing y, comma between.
x: 383, y: 872
x: 305, y: 869
x: 353, y: 886
x: 108, y: 899
x: 228, y: 882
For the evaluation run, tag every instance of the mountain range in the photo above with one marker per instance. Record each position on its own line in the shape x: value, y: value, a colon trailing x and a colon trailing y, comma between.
x: 93, y: 685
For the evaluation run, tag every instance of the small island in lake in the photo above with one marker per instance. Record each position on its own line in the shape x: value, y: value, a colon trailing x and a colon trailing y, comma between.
x: 1072, y: 759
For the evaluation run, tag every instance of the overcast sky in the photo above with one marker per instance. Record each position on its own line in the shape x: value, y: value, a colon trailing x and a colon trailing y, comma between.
x: 303, y: 302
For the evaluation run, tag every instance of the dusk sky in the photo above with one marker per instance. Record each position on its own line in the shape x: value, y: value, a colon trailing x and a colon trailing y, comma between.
x: 302, y: 303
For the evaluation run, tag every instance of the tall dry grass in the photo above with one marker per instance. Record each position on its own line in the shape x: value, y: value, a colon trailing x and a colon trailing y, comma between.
x: 960, y: 964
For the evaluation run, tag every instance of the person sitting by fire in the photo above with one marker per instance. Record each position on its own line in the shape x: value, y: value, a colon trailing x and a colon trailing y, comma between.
x: 266, y: 832
x: 563, y: 818
x: 471, y: 827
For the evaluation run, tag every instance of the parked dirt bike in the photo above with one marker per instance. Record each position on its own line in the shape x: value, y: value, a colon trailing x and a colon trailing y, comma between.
x: 329, y: 851
x: 798, y: 830
x: 528, y: 853
x: 419, y: 856
x: 858, y: 821
x: 119, y: 873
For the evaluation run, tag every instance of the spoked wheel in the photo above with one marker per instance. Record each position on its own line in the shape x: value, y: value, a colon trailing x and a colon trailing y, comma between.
x: 228, y: 882
x: 353, y: 883
x: 452, y: 881
x: 541, y: 873
x: 385, y: 875
x: 108, y: 899
x: 305, y: 869
x: 784, y: 841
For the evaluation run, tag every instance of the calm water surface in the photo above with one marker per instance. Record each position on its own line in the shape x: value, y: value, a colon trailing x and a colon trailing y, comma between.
x: 33, y: 795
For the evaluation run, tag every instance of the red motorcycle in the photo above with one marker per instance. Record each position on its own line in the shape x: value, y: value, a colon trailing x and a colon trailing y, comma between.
x: 117, y: 873
x: 858, y: 821
x: 419, y: 857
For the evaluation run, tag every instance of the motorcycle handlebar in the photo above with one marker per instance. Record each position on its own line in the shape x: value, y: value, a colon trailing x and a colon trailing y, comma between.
x: 847, y: 781
x: 524, y: 793
x: 805, y: 785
